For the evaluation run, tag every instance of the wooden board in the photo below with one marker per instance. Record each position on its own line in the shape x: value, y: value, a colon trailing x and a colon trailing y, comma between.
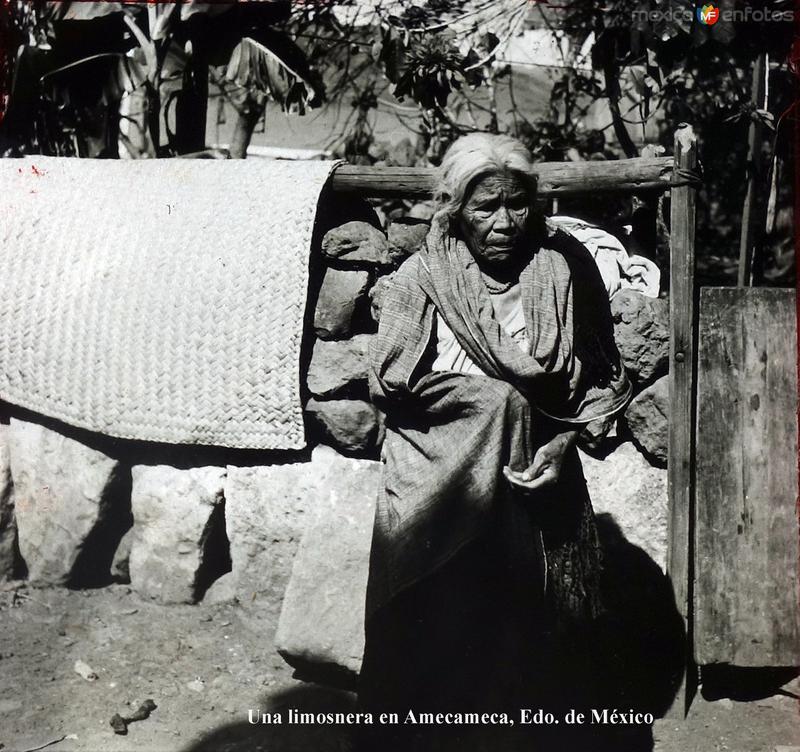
x: 746, y: 549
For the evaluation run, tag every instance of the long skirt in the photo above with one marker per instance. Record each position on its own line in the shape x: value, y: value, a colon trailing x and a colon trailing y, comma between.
x: 499, y: 621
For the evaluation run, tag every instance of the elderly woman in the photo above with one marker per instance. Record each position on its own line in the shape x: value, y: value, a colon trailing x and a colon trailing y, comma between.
x: 495, y: 349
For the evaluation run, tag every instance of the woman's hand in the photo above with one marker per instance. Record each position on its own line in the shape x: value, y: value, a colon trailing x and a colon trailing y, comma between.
x: 545, y: 469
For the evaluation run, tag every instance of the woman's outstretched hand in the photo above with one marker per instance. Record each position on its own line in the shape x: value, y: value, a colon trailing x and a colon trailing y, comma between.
x: 545, y: 469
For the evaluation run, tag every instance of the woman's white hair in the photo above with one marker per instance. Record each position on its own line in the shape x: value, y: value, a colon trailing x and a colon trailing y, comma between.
x: 467, y: 159
x: 474, y: 156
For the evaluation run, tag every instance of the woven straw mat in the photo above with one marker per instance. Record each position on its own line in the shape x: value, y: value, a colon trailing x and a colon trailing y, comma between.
x: 160, y: 300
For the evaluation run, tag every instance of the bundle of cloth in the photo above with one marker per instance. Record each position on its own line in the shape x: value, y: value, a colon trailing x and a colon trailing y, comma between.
x: 619, y: 269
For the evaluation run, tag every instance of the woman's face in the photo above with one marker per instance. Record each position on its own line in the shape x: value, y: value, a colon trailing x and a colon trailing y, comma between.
x: 494, y: 219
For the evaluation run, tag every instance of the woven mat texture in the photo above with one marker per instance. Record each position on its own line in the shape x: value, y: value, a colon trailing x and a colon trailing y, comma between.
x: 160, y: 300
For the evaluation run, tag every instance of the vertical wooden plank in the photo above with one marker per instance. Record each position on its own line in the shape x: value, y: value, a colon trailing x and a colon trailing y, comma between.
x: 756, y: 179
x: 681, y: 386
x: 746, y: 567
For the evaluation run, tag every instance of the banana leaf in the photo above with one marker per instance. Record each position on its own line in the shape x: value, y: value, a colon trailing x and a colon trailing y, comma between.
x: 272, y: 63
x: 76, y: 10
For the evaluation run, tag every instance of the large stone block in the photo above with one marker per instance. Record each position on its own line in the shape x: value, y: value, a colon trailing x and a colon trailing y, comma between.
x: 175, y: 513
x: 634, y: 493
x: 357, y: 244
x: 648, y: 420
x: 350, y: 426
x: 342, y: 298
x: 72, y: 505
x: 641, y: 329
x: 377, y: 295
x: 339, y: 369
x: 321, y: 627
x: 265, y: 514
x: 8, y: 524
x: 406, y: 237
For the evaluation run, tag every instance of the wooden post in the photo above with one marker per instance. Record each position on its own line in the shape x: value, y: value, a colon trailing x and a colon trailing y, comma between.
x: 756, y: 182
x: 681, y: 394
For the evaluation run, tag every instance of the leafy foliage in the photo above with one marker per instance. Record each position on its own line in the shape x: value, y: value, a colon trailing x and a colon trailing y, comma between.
x: 160, y: 52
x: 273, y: 65
x: 441, y: 56
x: 682, y: 71
x: 428, y: 68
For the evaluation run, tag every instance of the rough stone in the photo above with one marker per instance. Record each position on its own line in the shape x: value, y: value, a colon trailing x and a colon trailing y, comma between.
x: 358, y: 244
x: 339, y: 368
x: 597, y: 434
x: 634, y: 493
x: 342, y: 296
x: 382, y: 218
x: 406, y: 237
x: 377, y: 295
x: 174, y: 512
x: 349, y: 426
x: 647, y: 418
x: 321, y: 626
x: 222, y: 590
x: 265, y: 513
x: 422, y: 210
x: 396, y: 209
x: 641, y: 329
x: 8, y: 524
x: 120, y: 565
x: 71, y: 505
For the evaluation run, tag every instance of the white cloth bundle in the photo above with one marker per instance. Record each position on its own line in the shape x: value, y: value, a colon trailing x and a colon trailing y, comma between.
x: 619, y: 270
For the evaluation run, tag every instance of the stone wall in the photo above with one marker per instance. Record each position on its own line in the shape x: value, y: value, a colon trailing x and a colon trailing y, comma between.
x: 633, y: 451
x: 357, y: 260
x: 183, y: 525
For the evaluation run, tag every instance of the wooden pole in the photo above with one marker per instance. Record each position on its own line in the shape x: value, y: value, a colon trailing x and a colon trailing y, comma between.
x: 755, y: 178
x: 555, y: 178
x: 682, y: 370
x: 248, y: 112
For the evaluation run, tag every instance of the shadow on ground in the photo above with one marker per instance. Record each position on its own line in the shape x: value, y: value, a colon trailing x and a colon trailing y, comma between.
x: 746, y: 684
x: 285, y: 736
x: 642, y: 635
x: 638, y: 642
x: 640, y: 658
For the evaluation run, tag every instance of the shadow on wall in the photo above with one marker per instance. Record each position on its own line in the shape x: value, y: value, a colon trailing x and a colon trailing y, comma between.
x: 285, y: 737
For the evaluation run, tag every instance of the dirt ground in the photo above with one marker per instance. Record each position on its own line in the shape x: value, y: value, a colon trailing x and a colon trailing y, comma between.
x: 205, y: 666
